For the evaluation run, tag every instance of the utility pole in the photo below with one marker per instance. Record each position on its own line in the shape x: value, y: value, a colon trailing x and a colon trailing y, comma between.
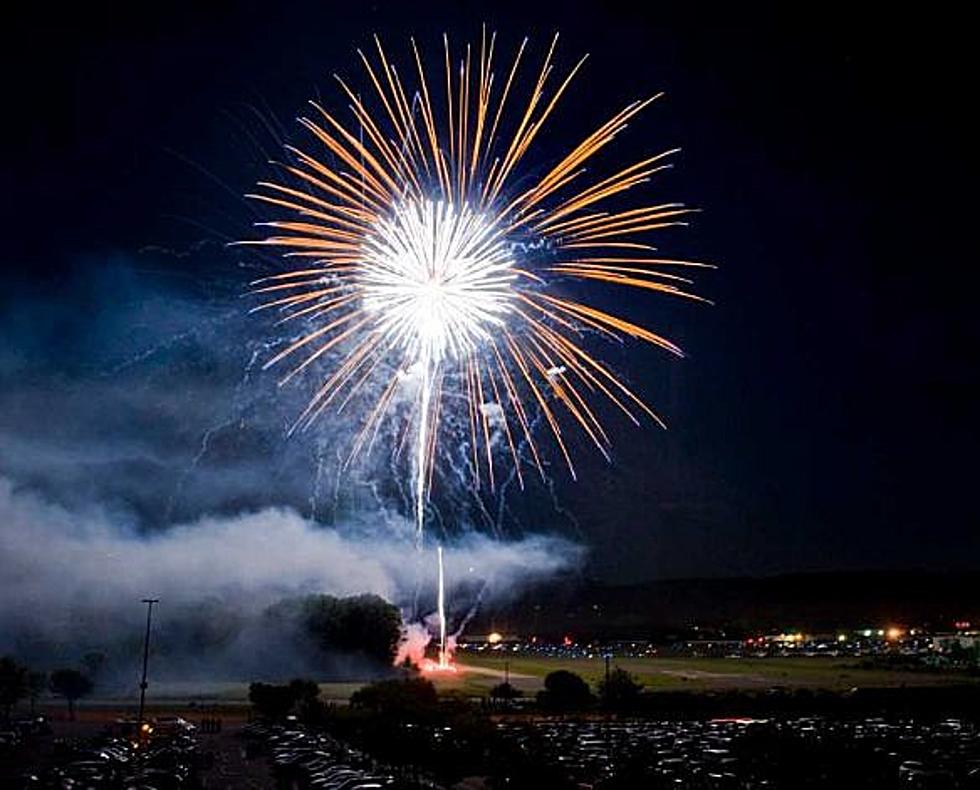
x: 146, y: 654
x: 605, y: 689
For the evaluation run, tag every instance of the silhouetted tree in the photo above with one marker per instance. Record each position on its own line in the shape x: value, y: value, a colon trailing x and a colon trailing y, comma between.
x: 620, y: 692
x: 271, y: 701
x: 505, y: 692
x: 565, y: 691
x: 72, y: 685
x: 36, y: 683
x: 405, y: 698
x: 360, y: 624
x: 276, y: 702
x: 13, y: 684
x: 306, y: 694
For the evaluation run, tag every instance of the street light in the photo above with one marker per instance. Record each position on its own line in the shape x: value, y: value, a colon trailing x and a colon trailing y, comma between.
x: 146, y: 655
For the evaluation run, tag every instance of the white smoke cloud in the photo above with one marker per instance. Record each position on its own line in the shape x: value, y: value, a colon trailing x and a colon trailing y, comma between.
x: 60, y: 568
x: 415, y: 640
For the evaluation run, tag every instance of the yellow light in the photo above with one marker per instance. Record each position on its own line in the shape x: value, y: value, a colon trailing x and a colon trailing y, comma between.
x: 494, y: 638
x: 841, y: 637
x: 895, y: 633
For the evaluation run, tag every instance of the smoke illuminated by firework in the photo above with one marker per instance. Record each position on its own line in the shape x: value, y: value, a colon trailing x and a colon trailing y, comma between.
x: 428, y: 273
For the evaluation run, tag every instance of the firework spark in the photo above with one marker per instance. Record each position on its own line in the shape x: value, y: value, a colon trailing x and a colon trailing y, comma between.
x: 427, y: 267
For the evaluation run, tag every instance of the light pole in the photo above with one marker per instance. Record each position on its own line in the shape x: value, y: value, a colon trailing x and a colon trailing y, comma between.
x: 146, y: 654
x: 607, y: 702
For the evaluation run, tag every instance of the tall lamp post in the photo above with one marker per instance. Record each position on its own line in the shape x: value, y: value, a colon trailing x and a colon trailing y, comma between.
x: 146, y: 654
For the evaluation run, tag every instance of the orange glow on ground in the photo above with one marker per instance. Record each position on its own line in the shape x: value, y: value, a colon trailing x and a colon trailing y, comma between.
x: 444, y: 665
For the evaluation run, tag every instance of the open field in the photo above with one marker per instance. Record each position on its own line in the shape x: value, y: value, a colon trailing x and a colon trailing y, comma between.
x: 480, y: 672
x: 694, y: 674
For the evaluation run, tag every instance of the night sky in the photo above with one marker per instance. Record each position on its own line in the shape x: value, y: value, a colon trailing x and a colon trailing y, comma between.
x: 825, y: 417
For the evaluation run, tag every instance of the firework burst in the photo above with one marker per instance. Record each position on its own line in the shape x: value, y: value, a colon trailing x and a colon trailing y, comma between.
x: 426, y: 269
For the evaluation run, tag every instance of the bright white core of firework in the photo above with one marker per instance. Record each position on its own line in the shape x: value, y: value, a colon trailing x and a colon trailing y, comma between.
x: 439, y: 278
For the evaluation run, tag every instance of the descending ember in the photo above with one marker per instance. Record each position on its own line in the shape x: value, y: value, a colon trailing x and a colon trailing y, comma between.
x: 432, y: 274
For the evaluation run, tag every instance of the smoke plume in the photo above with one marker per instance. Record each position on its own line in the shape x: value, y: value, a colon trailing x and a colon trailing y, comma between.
x: 72, y: 581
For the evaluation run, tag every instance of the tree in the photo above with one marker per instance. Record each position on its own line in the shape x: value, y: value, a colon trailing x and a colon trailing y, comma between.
x: 405, y: 698
x: 360, y: 624
x: 271, y: 701
x: 72, y: 685
x: 620, y: 691
x: 363, y: 624
x: 13, y: 684
x: 565, y: 691
x: 276, y: 702
x: 306, y: 696
x: 505, y: 692
x: 36, y: 683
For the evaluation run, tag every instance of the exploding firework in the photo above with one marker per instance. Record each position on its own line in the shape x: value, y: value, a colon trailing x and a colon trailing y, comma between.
x: 428, y: 273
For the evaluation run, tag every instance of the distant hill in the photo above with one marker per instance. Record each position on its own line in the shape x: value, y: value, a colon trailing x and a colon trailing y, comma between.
x: 807, y: 601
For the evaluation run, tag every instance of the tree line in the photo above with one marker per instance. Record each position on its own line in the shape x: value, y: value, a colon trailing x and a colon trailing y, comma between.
x: 19, y: 682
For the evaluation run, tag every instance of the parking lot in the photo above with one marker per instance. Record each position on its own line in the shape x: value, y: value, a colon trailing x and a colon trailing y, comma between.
x: 299, y: 758
x: 599, y: 753
x: 747, y: 753
x: 164, y: 755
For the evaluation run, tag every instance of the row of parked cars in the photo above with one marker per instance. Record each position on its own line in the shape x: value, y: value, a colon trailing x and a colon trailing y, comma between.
x: 752, y: 753
x: 160, y: 755
x: 304, y: 759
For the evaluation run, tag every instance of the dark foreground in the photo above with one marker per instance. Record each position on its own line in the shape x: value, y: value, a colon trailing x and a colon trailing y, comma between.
x: 514, y: 752
x: 749, y: 753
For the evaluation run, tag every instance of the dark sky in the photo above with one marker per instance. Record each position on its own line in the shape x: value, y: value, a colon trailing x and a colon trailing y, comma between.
x: 825, y: 416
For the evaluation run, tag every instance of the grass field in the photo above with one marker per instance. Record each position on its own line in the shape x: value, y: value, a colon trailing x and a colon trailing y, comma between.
x: 482, y: 671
